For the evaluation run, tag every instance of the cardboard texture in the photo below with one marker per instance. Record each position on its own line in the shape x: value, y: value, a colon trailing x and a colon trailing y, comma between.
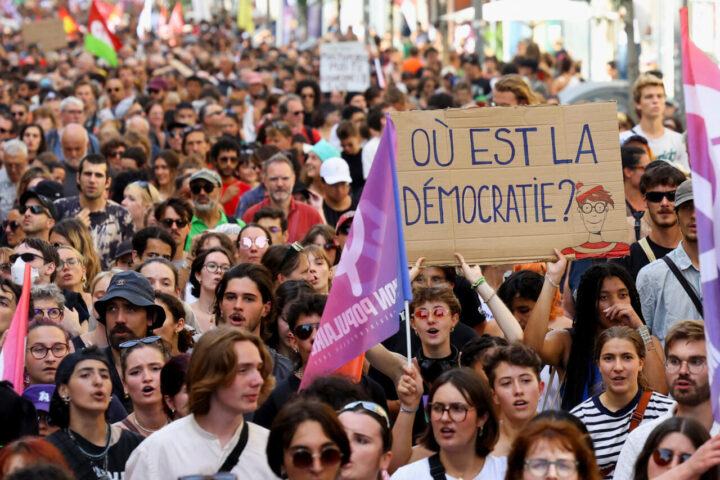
x: 533, y: 168
x: 344, y: 67
x: 49, y: 34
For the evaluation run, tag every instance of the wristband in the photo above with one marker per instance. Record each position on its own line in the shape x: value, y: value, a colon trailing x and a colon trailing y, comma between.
x: 405, y: 410
x: 490, y: 298
x: 644, y: 332
x: 547, y: 277
x: 478, y: 282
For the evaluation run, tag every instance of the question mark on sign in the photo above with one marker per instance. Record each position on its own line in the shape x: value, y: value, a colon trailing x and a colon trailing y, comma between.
x: 572, y: 195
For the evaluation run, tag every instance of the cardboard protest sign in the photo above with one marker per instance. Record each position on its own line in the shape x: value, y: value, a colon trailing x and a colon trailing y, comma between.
x: 49, y: 34
x: 344, y: 67
x: 509, y: 184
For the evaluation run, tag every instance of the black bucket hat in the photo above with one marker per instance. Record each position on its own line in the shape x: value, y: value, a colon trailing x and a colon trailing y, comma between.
x: 134, y: 288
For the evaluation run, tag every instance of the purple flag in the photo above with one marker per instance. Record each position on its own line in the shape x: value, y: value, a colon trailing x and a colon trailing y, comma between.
x: 372, y: 281
x: 701, y: 78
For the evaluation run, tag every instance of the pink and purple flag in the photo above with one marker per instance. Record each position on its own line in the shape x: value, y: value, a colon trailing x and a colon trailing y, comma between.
x: 12, y: 356
x: 701, y: 79
x: 372, y: 282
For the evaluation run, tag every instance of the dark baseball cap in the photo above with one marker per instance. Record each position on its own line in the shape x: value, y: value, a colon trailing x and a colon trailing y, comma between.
x: 44, y: 201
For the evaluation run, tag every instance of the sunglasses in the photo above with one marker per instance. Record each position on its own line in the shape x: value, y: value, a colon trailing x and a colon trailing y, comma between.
x: 168, y: 222
x: 227, y: 159
x: 303, y: 458
x: 423, y: 314
x: 4, y: 130
x: 146, y: 341
x: 153, y: 90
x: 10, y: 223
x: 657, y: 197
x: 247, y: 242
x: 116, y: 153
x: 34, y: 209
x: 331, y: 245
x: 196, y: 188
x: 110, y: 90
x: 664, y: 456
x: 305, y: 330
x: 344, y: 229
x: 370, y: 407
x: 293, y: 250
x: 175, y: 133
x: 26, y: 257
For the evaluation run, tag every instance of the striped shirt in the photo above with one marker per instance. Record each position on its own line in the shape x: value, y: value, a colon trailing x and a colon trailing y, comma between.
x: 609, y: 430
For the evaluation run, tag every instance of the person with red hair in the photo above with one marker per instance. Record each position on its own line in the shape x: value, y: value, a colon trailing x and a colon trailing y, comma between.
x: 27, y: 452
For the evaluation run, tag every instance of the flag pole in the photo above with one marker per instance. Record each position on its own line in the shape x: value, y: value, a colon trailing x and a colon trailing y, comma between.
x: 407, y: 332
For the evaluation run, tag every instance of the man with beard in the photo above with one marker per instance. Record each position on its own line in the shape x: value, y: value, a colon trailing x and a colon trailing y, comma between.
x: 109, y: 223
x: 174, y: 216
x: 657, y: 185
x: 205, y: 189
x: 245, y: 299
x: 225, y: 157
x: 279, y: 178
x: 687, y: 376
x: 128, y: 312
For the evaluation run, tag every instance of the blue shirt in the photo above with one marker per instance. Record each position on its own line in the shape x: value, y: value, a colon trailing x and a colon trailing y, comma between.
x: 663, y: 299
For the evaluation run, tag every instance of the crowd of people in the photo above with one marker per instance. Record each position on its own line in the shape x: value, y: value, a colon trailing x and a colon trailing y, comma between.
x: 183, y: 214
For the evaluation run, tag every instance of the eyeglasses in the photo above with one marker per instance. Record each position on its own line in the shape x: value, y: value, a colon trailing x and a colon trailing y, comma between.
x: 175, y: 133
x: 657, y: 197
x: 146, y: 341
x: 40, y: 351
x: 10, y: 223
x: 51, y: 313
x: 116, y: 89
x: 227, y: 159
x: 213, y: 267
x: 305, y: 330
x: 195, y: 188
x: 44, y: 417
x: 456, y: 411
x: 116, y: 153
x: 18, y: 114
x: 539, y: 467
x: 70, y: 262
x: 303, y: 458
x: 26, y: 257
x: 695, y: 365
x: 5, y: 130
x: 664, y: 456
x: 423, y: 314
x: 153, y: 90
x: 369, y: 407
x: 599, y: 207
x: 331, y: 245
x: 344, y: 229
x: 293, y: 250
x: 168, y: 222
x: 247, y: 242
x: 34, y: 209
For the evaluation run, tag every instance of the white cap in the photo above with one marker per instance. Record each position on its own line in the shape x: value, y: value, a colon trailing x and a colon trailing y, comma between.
x: 335, y: 170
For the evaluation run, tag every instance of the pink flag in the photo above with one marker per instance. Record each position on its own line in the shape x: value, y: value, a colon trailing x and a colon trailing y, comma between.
x: 176, y: 23
x: 12, y: 356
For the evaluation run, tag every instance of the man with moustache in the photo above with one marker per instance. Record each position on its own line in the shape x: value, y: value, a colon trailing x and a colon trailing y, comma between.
x: 129, y: 312
x: 687, y: 376
x: 657, y: 185
x: 205, y: 191
x: 245, y: 299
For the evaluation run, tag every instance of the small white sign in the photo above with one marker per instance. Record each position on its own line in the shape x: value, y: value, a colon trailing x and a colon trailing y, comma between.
x: 344, y: 67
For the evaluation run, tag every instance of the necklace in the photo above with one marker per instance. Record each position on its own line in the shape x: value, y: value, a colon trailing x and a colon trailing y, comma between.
x: 146, y: 430
x: 91, y: 456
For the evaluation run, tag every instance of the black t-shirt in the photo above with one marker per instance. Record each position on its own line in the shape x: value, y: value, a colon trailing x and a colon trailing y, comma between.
x: 638, y: 259
x: 332, y: 216
x: 113, y: 464
x: 356, y: 172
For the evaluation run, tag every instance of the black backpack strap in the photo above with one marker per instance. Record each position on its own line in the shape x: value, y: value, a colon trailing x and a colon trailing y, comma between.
x: 683, y: 281
x: 437, y: 471
x: 234, y: 456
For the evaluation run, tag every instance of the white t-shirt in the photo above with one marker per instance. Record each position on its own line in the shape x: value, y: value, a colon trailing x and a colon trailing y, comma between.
x: 670, y: 147
x: 184, y: 448
x: 494, y: 468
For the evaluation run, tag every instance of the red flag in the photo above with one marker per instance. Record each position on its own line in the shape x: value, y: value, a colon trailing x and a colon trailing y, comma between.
x: 69, y: 24
x: 12, y: 356
x: 176, y: 23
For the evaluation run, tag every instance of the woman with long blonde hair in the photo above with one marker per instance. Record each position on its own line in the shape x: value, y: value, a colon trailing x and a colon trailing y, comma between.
x: 72, y: 232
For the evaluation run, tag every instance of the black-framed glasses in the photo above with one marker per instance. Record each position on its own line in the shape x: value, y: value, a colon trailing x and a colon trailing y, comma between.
x: 369, y: 407
x: 246, y: 243
x: 599, y: 207
x: 664, y: 456
x: 70, y: 262
x: 303, y: 458
x: 116, y: 153
x: 168, y: 222
x: 39, y: 351
x: 44, y: 417
x: 213, y: 267
x: 456, y: 411
x: 12, y: 224
x: 695, y: 365
x: 197, y: 187
x: 305, y: 330
x: 657, y: 197
x: 147, y: 341
x: 26, y: 257
x: 51, y: 313
x: 539, y: 467
x: 293, y: 250
x: 34, y: 209
x: 153, y: 90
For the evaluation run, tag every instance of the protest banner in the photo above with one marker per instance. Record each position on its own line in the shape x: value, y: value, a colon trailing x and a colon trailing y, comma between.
x: 701, y: 82
x: 344, y: 67
x: 509, y: 184
x: 49, y: 34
